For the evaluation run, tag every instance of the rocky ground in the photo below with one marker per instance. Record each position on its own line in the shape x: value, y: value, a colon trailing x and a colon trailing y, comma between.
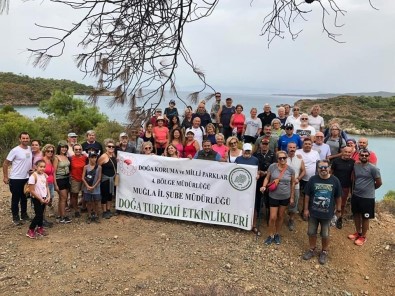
x: 133, y: 256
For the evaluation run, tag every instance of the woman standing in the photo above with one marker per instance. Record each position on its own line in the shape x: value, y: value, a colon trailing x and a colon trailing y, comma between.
x: 108, y: 163
x: 277, y: 131
x: 252, y: 127
x: 210, y: 133
x: 174, y: 123
x: 279, y: 198
x: 36, y: 152
x: 62, y: 179
x: 161, y: 134
x: 187, y: 122
x: 234, y: 151
x: 237, y: 121
x: 220, y: 147
x: 177, y: 139
x: 191, y: 145
x: 77, y: 164
x: 49, y: 151
x: 149, y: 134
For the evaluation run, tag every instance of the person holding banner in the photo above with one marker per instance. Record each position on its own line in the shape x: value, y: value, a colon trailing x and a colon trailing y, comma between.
x: 171, y: 151
x: 280, y: 181
x: 147, y: 148
x: 233, y: 152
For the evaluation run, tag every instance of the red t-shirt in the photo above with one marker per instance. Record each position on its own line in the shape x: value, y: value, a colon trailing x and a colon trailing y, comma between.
x: 77, y: 164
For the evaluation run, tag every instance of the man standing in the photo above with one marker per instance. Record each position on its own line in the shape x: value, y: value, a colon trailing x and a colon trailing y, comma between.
x: 315, y: 119
x: 267, y: 134
x: 342, y: 168
x: 20, y: 158
x: 322, y: 148
x: 207, y: 153
x: 363, y: 144
x: 298, y: 165
x: 215, y: 108
x: 197, y: 130
x: 367, y: 180
x: 289, y: 137
x: 310, y: 159
x: 223, y: 117
x: 91, y: 143
x: 267, y: 115
x: 322, y: 196
x: 71, y: 141
x: 124, y: 144
x: 202, y: 114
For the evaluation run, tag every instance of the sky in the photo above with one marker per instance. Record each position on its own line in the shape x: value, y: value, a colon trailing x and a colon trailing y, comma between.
x: 228, y: 47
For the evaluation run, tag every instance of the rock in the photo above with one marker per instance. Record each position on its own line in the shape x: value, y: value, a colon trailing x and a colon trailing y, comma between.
x: 115, y: 236
x: 228, y: 266
x: 367, y: 277
x: 387, y: 247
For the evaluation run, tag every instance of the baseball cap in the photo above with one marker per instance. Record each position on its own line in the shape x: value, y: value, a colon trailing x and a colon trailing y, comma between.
x: 289, y: 125
x: 62, y: 143
x: 351, y: 140
x: 92, y: 153
x: 228, y: 99
x: 123, y: 135
x: 190, y: 132
x: 158, y: 110
x: 72, y: 135
x: 247, y: 146
x: 172, y: 102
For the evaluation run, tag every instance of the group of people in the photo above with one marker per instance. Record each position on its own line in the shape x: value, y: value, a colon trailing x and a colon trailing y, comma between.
x: 296, y: 155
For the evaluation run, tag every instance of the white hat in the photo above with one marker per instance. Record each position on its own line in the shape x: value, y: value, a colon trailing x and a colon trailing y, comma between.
x: 72, y: 135
x: 123, y: 135
x: 247, y: 147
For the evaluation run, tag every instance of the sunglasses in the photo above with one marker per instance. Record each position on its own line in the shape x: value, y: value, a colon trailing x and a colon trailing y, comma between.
x: 233, y: 143
x: 282, y: 158
x: 296, y: 109
x: 110, y: 146
x: 77, y: 149
x: 363, y: 155
x: 323, y: 167
x: 304, y: 119
x: 49, y: 151
x: 147, y: 148
x: 264, y: 143
x: 289, y: 128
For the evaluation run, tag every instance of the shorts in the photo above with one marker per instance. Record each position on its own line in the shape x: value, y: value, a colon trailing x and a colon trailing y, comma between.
x: 364, y: 206
x: 63, y: 183
x: 275, y: 203
x: 294, y: 209
x: 91, y: 197
x: 302, y: 184
x: 313, y: 227
x: 106, y: 195
x: 345, y: 193
x: 51, y: 188
x: 76, y: 186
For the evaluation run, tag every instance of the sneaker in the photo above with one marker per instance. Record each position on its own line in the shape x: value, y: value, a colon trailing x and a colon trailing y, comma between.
x: 77, y: 214
x: 40, y: 231
x: 105, y: 215
x: 47, y: 224
x: 269, y: 240
x: 354, y: 236
x: 291, y: 225
x: 25, y: 217
x: 58, y: 219
x: 16, y: 221
x: 277, y: 239
x: 67, y: 220
x: 109, y: 214
x: 339, y: 223
x: 31, y: 234
x: 95, y: 219
x: 360, y: 240
x: 323, y: 257
x: 309, y: 254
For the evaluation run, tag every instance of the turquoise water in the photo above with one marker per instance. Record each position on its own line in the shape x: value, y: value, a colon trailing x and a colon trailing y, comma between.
x: 380, y: 145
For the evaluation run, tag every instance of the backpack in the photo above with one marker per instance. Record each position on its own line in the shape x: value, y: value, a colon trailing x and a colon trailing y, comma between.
x: 340, y: 143
x: 90, y: 176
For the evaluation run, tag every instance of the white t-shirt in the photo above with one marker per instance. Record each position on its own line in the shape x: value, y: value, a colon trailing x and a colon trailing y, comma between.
x: 295, y: 163
x: 40, y: 187
x: 22, y: 162
x: 294, y: 121
x: 310, y: 160
x: 252, y: 126
x: 324, y: 150
x: 199, y: 133
x: 305, y: 132
x: 316, y: 122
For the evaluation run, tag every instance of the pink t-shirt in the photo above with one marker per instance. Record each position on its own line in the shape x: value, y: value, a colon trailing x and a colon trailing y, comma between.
x: 221, y: 150
x: 160, y: 134
x: 40, y: 181
x: 238, y: 121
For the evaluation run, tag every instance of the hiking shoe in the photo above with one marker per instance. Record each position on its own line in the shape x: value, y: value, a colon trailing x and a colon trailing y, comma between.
x: 360, y: 240
x: 339, y: 223
x: 109, y: 214
x: 323, y: 257
x: 95, y: 219
x: 40, y: 231
x: 291, y: 225
x: 354, y: 236
x: 25, y: 217
x: 47, y: 224
x: 77, y: 214
x: 31, y: 234
x: 309, y: 254
x: 16, y: 221
x: 58, y: 218
x: 277, y: 239
x: 269, y: 240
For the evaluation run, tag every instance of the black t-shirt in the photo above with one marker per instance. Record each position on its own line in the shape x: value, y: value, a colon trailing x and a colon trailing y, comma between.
x: 342, y: 169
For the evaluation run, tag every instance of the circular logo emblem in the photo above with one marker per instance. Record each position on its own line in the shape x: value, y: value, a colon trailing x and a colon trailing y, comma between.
x: 240, y: 179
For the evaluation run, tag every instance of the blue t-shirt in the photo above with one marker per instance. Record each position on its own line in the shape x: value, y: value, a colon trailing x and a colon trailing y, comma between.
x: 322, y: 195
x: 284, y: 140
x: 249, y: 161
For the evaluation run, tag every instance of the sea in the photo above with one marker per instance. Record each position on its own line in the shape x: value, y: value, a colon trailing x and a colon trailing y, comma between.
x: 380, y: 145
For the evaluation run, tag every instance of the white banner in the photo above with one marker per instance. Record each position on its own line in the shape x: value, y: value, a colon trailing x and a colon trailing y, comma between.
x: 193, y: 190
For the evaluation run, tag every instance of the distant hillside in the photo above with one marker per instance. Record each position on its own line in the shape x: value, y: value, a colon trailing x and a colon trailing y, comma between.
x: 358, y: 114
x: 384, y: 94
x: 24, y: 90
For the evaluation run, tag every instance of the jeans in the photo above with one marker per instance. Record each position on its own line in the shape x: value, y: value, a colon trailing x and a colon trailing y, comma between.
x: 17, y: 196
x: 38, y: 214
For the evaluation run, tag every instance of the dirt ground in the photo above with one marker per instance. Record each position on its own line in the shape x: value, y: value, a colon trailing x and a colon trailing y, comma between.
x: 133, y: 256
